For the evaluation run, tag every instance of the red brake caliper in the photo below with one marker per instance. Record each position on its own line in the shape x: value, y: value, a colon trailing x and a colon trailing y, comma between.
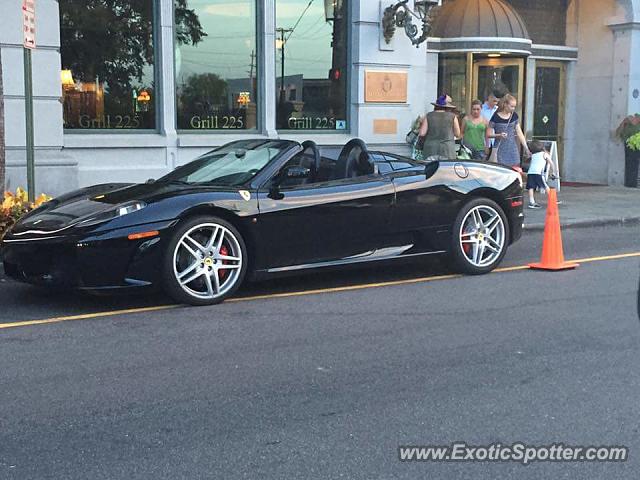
x: 466, y: 246
x: 223, y: 273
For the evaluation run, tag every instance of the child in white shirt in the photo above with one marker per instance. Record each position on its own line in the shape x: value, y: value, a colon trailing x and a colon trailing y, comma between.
x: 540, y: 158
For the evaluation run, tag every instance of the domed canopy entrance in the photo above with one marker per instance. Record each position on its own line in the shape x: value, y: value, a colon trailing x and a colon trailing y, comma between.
x: 481, y: 25
x: 482, y: 45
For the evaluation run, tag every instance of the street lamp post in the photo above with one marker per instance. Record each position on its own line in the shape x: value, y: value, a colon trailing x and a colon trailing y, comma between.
x: 332, y: 9
x: 334, y: 13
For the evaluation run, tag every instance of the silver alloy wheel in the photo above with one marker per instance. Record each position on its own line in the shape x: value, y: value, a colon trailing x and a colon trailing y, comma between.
x: 207, y: 261
x: 482, y: 236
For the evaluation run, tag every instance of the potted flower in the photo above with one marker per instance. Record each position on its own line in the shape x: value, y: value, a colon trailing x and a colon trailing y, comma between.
x: 632, y: 147
x: 14, y: 205
x: 629, y: 133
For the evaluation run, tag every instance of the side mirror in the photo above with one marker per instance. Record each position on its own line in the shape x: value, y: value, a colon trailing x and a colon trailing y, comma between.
x: 293, y: 172
x: 274, y: 191
x: 150, y: 180
x: 431, y: 168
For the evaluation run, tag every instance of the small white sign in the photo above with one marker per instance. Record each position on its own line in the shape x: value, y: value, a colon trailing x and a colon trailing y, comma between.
x: 29, y: 23
x: 341, y: 124
x: 552, y: 148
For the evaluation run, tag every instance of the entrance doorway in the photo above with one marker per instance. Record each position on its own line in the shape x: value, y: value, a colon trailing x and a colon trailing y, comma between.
x: 549, y: 103
x: 499, y: 76
x: 470, y: 76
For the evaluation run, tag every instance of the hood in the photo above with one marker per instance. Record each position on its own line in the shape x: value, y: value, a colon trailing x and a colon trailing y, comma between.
x: 67, y: 210
x: 72, y: 208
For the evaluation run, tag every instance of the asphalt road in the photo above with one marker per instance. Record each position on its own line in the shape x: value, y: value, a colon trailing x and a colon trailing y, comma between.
x: 328, y: 385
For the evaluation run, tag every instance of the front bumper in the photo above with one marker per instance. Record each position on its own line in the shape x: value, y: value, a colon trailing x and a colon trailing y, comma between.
x: 95, y: 261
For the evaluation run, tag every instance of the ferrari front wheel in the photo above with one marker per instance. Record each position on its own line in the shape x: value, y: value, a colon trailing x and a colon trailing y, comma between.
x: 480, y: 237
x: 205, y: 261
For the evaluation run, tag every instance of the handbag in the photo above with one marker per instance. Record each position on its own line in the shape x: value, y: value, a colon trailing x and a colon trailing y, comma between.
x: 493, y: 156
x: 416, y: 153
x: 412, y: 137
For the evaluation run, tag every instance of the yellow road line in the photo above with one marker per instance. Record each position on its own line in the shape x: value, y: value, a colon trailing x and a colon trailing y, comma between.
x: 346, y: 289
x: 510, y: 269
x: 86, y: 316
x: 608, y: 257
x: 298, y: 294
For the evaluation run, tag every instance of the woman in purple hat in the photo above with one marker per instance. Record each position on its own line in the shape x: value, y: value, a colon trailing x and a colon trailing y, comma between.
x: 440, y: 129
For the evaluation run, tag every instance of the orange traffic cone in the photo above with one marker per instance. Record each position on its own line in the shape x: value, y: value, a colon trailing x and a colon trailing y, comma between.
x: 552, y: 254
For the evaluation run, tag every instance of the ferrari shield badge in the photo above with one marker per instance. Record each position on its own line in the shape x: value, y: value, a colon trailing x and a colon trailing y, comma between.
x: 245, y: 194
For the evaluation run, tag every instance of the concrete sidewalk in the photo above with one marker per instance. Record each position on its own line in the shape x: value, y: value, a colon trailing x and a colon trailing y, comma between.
x: 585, y: 206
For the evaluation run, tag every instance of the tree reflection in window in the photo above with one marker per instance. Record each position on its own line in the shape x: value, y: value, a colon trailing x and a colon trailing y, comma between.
x: 216, y: 78
x: 108, y: 57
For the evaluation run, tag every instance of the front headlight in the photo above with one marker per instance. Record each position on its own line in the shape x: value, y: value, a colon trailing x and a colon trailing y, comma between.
x: 130, y: 208
x: 119, y: 211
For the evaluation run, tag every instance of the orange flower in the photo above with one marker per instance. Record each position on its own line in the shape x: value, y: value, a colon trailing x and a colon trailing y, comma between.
x: 43, y: 198
x: 8, y: 202
x: 21, y: 195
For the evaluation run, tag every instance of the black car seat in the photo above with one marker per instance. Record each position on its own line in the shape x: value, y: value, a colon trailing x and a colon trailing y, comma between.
x: 353, y: 161
x: 308, y: 157
x: 312, y: 154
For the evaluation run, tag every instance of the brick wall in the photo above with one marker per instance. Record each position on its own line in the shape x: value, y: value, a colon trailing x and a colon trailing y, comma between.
x: 546, y: 20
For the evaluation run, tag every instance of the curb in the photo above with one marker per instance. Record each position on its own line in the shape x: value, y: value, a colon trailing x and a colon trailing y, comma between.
x: 625, y: 221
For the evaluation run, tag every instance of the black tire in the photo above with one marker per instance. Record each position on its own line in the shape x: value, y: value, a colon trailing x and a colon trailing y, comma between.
x: 486, y: 240
x: 182, y: 256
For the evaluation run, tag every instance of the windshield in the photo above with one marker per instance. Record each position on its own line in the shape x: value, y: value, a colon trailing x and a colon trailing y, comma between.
x: 233, y: 164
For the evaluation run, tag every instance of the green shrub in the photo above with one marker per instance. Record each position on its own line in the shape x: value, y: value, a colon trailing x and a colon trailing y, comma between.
x: 633, y: 142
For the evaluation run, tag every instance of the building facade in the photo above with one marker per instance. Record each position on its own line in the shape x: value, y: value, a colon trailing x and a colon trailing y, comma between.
x: 126, y: 91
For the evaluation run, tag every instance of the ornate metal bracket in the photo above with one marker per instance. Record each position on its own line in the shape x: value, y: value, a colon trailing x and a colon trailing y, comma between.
x: 400, y: 15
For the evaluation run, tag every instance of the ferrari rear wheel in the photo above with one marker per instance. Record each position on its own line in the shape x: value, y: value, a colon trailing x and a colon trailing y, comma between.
x: 205, y: 261
x: 480, y: 237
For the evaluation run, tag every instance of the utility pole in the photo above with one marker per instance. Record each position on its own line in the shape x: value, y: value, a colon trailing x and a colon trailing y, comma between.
x: 282, y: 31
x: 253, y: 60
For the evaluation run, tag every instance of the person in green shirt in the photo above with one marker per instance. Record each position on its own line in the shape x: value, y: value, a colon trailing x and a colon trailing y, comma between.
x: 473, y: 129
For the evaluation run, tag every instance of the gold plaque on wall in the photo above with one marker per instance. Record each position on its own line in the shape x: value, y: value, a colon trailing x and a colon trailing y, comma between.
x: 385, y: 126
x: 385, y: 87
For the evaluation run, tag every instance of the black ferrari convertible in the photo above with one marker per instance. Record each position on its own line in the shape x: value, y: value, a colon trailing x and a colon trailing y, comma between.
x: 255, y: 208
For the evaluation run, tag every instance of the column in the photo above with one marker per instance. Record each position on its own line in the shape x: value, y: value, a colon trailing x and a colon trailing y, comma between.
x: 267, y: 66
x: 625, y: 87
x: 166, y: 78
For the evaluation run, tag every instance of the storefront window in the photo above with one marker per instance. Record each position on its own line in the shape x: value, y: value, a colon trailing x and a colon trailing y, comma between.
x: 216, y: 66
x: 452, y: 78
x: 107, y: 64
x: 311, y: 65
